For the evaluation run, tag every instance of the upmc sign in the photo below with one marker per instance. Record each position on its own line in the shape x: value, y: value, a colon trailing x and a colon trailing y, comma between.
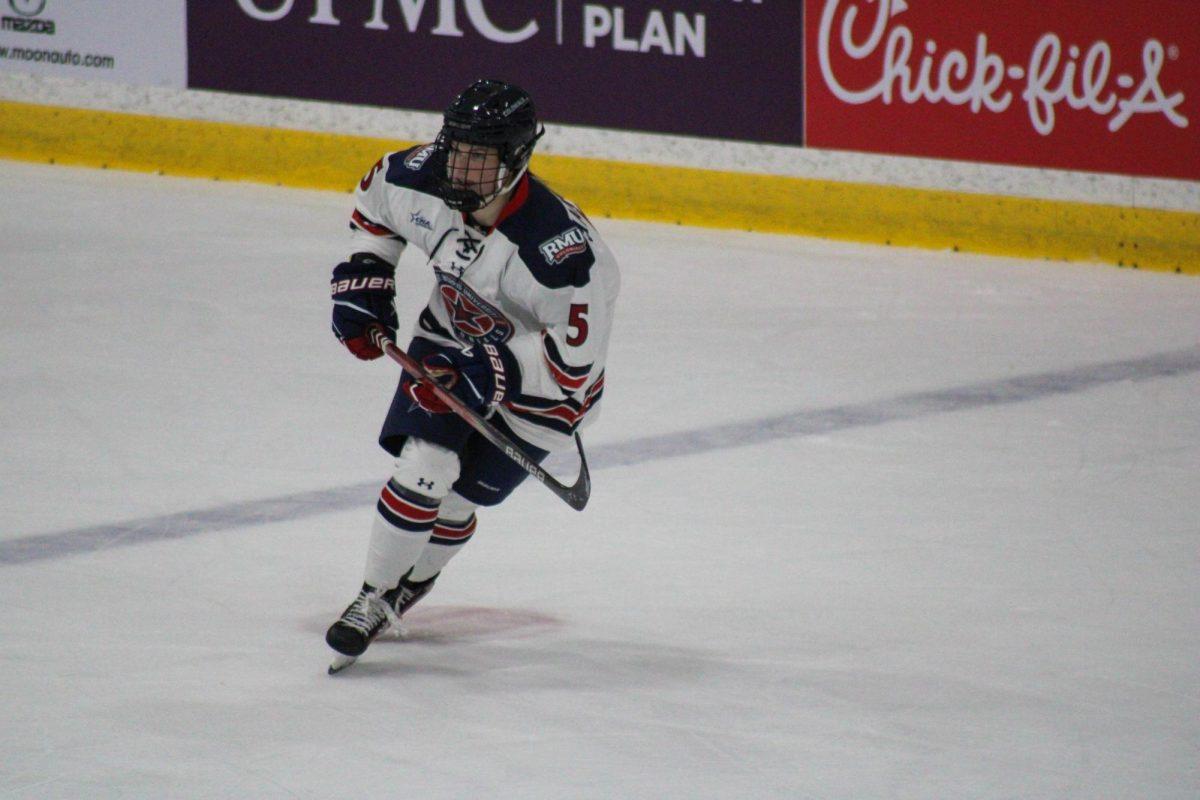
x: 731, y: 69
x: 1101, y: 85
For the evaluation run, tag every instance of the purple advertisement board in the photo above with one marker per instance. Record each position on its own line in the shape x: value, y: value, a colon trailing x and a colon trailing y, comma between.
x: 729, y: 69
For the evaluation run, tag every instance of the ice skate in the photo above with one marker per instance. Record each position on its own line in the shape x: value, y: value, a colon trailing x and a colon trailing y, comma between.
x: 363, y: 620
x: 372, y: 613
x: 406, y: 595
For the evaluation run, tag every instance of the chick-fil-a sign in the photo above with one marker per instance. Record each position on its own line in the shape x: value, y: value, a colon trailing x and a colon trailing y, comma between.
x: 1075, y: 84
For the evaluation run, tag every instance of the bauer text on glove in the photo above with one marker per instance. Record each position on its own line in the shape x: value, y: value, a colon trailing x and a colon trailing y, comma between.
x: 485, y: 375
x: 364, y: 293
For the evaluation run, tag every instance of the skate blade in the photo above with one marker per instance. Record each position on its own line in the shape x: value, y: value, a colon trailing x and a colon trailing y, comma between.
x: 340, y: 662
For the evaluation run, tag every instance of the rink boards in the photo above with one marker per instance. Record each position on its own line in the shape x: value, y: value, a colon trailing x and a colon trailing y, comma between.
x: 1143, y: 238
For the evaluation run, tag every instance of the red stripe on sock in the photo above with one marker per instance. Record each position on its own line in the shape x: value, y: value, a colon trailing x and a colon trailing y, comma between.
x: 408, y: 511
x: 445, y: 531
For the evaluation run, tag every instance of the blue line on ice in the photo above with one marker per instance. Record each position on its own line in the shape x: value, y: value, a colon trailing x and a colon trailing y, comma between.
x: 638, y: 451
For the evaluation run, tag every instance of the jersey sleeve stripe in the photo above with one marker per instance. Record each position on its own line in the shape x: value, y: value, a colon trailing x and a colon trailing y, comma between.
x: 357, y: 220
x: 567, y: 376
x: 564, y: 380
x: 564, y: 416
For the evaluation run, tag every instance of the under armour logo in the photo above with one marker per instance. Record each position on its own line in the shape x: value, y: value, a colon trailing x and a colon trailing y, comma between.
x: 424, y: 484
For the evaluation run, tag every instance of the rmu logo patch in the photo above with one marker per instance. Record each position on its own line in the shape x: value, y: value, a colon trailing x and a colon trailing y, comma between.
x: 417, y: 158
x: 474, y: 318
x: 565, y: 245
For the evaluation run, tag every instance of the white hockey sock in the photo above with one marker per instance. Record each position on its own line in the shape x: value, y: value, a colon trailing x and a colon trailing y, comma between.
x: 407, y: 509
x: 447, y: 539
x: 401, y: 529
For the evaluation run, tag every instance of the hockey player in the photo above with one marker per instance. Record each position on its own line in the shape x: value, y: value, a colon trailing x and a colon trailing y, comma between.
x: 517, y: 327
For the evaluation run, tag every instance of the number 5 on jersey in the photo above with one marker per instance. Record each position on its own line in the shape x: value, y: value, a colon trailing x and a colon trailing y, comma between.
x: 578, y: 324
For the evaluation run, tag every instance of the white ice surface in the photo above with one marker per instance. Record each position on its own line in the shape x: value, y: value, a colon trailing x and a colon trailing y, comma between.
x: 961, y: 596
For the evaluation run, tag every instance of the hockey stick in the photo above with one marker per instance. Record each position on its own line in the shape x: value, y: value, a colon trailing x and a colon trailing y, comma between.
x: 575, y: 495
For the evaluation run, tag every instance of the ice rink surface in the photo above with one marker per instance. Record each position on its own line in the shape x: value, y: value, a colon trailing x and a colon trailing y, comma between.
x: 866, y: 523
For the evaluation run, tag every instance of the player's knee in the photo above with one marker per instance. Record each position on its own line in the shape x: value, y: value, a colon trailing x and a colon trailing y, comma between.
x: 426, y: 468
x: 456, y: 508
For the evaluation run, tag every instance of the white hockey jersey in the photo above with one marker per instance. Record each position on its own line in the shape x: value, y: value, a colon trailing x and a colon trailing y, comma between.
x: 540, y: 281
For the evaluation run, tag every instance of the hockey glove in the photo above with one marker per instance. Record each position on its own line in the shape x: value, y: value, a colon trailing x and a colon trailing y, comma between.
x: 364, y: 294
x: 486, y: 374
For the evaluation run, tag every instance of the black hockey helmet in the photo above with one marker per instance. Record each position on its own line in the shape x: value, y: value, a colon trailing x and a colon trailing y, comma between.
x: 489, y: 113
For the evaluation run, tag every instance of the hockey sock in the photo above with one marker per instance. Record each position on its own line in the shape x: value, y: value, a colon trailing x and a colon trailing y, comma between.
x: 447, y: 539
x: 401, y: 529
x: 407, y: 509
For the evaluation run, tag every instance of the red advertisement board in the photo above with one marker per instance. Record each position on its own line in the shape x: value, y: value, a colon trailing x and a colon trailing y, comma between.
x: 1096, y: 85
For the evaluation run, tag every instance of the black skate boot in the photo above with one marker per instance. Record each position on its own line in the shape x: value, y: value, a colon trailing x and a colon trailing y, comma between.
x: 363, y: 620
x: 407, y: 593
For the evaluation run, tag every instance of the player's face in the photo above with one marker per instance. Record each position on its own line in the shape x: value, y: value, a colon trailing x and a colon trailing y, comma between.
x: 473, y: 167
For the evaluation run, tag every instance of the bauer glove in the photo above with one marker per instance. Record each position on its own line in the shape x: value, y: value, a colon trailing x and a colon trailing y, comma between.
x: 484, y: 375
x: 364, y: 294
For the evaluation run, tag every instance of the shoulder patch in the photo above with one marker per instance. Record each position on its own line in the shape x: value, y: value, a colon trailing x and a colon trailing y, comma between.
x: 552, y: 237
x: 412, y: 169
x: 570, y: 242
x: 417, y: 157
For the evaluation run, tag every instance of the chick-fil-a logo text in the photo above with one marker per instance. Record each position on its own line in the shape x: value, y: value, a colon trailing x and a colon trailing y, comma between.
x: 981, y: 79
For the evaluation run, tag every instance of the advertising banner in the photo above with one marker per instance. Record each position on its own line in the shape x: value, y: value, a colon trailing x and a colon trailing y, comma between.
x: 719, y: 68
x: 1093, y: 85
x: 140, y: 42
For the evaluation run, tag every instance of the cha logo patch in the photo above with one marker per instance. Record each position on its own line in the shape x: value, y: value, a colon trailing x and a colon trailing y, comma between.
x: 417, y: 159
x: 568, y: 243
x: 474, y: 318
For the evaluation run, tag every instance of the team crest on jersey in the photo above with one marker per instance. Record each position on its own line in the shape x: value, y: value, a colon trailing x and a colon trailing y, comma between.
x: 417, y: 158
x: 474, y: 318
x: 564, y: 245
